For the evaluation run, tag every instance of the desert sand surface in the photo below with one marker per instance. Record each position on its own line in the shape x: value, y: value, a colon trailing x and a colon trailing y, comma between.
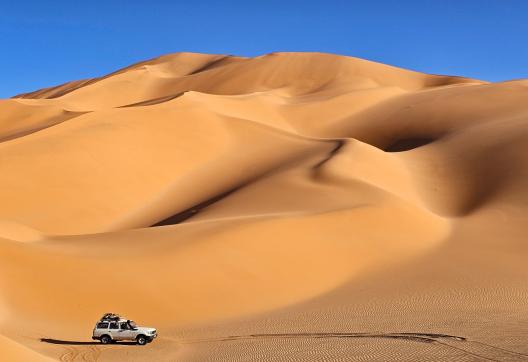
x: 286, y: 207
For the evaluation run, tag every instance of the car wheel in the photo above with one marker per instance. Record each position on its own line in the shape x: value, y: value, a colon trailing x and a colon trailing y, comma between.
x: 106, y: 339
x: 141, y: 340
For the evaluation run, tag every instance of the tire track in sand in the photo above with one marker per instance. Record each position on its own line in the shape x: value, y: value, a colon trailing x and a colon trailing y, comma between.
x: 475, y: 349
x: 85, y: 354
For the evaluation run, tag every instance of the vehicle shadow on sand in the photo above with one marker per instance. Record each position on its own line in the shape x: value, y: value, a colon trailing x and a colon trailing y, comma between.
x: 80, y: 343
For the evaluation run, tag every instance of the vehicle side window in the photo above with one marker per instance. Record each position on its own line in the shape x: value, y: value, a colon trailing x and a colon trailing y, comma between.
x: 124, y: 326
x: 113, y: 325
x: 102, y: 325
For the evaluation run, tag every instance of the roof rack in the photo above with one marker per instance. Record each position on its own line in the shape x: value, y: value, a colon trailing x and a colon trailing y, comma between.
x: 110, y: 317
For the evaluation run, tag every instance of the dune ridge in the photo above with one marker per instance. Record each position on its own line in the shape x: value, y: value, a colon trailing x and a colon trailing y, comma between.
x: 268, y: 195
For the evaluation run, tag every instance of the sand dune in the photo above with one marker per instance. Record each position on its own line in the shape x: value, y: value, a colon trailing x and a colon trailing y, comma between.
x: 306, y: 205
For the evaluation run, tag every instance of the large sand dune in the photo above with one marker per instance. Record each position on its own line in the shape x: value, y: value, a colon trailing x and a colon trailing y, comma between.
x: 292, y: 206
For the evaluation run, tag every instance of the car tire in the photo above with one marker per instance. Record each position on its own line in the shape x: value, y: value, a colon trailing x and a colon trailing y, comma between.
x: 141, y: 340
x: 106, y: 339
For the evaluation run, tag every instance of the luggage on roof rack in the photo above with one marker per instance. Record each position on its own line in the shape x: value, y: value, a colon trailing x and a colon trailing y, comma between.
x: 110, y: 317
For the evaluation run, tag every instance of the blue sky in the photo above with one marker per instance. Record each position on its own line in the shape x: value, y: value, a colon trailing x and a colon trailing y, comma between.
x: 45, y: 43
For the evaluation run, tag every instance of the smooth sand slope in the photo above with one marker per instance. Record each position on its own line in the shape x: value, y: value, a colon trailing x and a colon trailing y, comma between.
x: 292, y: 206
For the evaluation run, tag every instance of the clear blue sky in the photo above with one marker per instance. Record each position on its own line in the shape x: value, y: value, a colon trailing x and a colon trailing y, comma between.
x: 44, y: 42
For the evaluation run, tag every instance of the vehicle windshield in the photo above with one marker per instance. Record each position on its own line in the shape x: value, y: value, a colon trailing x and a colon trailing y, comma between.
x: 132, y: 324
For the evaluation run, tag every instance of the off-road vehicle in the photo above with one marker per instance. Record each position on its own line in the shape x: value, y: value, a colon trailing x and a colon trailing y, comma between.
x: 112, y: 327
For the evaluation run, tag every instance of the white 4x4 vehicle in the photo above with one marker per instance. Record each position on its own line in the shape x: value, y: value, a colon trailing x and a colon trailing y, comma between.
x: 113, y: 328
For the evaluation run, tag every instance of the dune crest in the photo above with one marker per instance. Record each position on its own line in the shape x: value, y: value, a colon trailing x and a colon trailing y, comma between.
x: 214, y: 195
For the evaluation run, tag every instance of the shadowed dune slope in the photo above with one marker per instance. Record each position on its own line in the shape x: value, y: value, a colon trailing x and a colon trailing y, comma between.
x: 252, y: 208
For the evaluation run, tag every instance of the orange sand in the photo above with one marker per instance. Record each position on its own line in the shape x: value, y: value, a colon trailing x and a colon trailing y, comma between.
x: 308, y: 205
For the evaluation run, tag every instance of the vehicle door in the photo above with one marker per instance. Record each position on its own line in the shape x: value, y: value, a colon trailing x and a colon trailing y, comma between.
x: 125, y: 332
x: 114, y: 331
